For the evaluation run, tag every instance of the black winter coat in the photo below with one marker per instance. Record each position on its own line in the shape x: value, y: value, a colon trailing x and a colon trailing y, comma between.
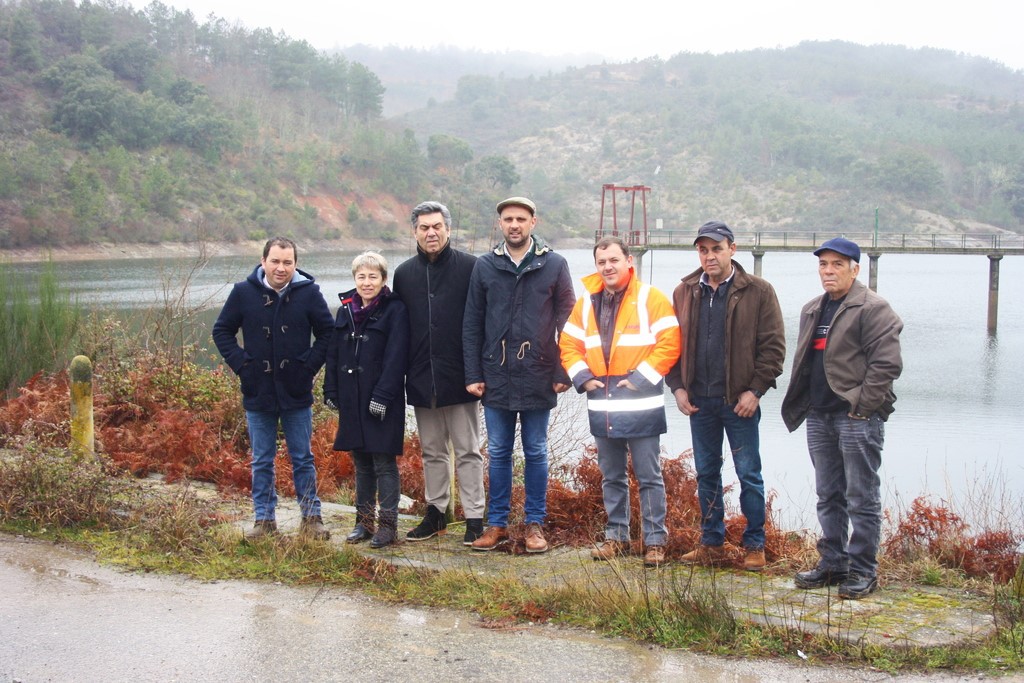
x: 364, y: 364
x: 435, y: 297
x: 277, y: 364
x: 511, y: 328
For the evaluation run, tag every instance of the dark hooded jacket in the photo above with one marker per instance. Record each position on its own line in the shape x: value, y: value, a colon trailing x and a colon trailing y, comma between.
x: 277, y: 364
x: 511, y: 328
x: 369, y: 363
x: 434, y: 294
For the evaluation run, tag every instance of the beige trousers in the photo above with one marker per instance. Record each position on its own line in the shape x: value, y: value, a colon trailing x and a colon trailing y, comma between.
x: 459, y: 424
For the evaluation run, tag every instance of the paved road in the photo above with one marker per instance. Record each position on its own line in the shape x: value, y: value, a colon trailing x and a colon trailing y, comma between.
x: 63, y: 617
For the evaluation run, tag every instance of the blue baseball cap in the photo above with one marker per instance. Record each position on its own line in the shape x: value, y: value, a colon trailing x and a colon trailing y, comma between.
x: 840, y: 245
x: 716, y: 230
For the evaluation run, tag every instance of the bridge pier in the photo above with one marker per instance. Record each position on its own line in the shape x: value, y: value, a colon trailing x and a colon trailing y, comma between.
x: 993, y: 291
x: 638, y: 261
x: 758, y: 258
x: 873, y: 257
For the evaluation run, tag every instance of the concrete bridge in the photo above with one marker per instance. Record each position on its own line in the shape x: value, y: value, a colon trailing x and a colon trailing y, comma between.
x: 994, y: 246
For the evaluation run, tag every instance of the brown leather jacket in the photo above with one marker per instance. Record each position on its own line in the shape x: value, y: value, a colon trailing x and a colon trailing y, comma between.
x: 755, y: 338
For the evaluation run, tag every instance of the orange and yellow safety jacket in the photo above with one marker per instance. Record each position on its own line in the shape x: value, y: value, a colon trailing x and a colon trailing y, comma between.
x: 645, y: 346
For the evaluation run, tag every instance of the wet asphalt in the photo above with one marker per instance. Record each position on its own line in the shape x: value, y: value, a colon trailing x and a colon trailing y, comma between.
x: 64, y: 617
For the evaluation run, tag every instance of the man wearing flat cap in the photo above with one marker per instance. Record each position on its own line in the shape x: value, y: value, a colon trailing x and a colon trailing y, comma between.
x: 734, y: 348
x: 520, y: 295
x: 847, y: 358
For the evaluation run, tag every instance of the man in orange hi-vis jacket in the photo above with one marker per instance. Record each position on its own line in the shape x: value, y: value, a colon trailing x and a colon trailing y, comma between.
x: 621, y: 339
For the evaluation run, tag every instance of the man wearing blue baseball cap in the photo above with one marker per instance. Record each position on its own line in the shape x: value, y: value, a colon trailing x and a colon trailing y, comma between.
x: 847, y: 358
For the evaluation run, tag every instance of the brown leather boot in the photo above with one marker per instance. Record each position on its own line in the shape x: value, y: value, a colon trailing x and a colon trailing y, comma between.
x: 535, y: 541
x: 754, y: 560
x: 261, y: 529
x: 609, y: 549
x: 655, y: 556
x: 313, y: 527
x: 707, y: 555
x: 492, y: 538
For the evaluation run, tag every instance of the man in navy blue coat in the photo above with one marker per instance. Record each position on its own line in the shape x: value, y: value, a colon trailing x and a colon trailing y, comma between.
x: 278, y: 308
x: 520, y: 296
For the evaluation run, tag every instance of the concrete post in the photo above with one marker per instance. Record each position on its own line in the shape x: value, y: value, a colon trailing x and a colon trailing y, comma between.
x: 873, y: 269
x: 758, y: 258
x: 82, y: 431
x: 993, y: 291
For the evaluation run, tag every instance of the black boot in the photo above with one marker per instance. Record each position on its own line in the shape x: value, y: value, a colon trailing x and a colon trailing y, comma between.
x: 364, y: 527
x: 387, y: 531
x: 474, y: 530
x: 433, y: 524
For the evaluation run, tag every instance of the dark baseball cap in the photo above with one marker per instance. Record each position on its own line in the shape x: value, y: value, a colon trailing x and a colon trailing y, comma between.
x: 518, y: 201
x: 716, y: 230
x: 842, y: 246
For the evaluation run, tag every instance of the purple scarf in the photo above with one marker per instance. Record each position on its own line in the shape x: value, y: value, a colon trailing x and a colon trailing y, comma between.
x: 360, y: 313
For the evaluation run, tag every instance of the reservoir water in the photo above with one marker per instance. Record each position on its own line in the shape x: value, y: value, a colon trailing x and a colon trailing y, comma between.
x: 957, y: 432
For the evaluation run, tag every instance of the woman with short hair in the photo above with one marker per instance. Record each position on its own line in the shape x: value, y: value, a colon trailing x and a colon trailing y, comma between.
x: 365, y: 383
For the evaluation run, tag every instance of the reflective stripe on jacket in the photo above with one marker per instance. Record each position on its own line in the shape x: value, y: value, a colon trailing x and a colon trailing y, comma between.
x: 646, y: 344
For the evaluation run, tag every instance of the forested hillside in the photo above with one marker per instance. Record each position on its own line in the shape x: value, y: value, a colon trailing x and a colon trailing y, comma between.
x: 119, y: 125
x: 816, y: 136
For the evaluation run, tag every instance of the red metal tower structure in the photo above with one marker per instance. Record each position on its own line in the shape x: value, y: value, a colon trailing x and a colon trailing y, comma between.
x: 634, y: 235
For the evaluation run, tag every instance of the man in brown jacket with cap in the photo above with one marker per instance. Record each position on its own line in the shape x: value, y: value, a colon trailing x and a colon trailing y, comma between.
x: 734, y: 349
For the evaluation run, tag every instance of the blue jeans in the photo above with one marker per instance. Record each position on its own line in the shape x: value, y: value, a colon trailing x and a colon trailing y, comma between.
x: 297, y: 426
x: 646, y: 455
x: 501, y: 436
x: 707, y: 425
x: 846, y: 454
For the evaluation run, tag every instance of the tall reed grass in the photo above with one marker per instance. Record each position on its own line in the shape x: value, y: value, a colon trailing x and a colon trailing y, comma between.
x: 39, y: 322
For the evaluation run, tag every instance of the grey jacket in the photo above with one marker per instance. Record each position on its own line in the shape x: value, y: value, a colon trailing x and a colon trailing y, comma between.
x: 862, y: 356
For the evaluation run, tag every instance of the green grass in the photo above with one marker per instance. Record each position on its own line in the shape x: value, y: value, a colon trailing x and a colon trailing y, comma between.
x: 172, y: 530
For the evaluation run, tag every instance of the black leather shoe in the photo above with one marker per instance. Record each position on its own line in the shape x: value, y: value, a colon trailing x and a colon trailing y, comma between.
x: 433, y: 524
x: 856, y: 587
x: 819, y: 577
x: 359, y: 534
x: 474, y: 530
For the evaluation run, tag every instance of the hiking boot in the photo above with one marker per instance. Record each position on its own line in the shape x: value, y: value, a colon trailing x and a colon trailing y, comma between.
x: 261, y: 529
x: 655, y: 556
x: 474, y: 530
x: 387, y: 530
x: 609, y: 549
x: 856, y: 587
x: 313, y: 527
x: 359, y: 534
x: 707, y: 555
x: 819, y: 577
x: 535, y: 541
x: 753, y: 560
x: 433, y: 524
x: 491, y: 539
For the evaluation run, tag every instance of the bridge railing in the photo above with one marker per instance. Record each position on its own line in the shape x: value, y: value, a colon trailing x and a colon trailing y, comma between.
x: 866, y: 240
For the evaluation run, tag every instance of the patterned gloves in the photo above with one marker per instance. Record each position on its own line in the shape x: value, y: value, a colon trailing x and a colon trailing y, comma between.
x: 377, y: 409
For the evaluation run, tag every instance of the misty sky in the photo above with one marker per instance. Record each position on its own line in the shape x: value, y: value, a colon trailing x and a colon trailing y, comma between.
x: 621, y: 31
